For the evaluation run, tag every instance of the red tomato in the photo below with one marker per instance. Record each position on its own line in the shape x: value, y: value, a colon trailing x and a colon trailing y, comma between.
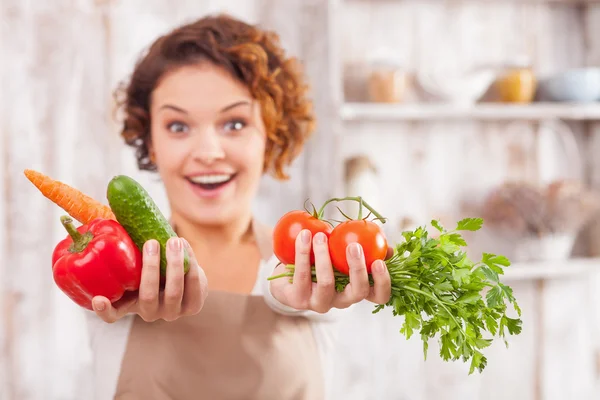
x: 366, y: 233
x: 289, y: 227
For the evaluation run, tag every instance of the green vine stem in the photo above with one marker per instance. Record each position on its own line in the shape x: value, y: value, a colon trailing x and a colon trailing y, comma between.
x: 360, y: 208
x: 359, y: 199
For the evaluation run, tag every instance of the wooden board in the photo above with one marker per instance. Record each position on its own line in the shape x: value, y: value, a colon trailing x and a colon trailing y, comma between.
x: 52, y: 73
x: 5, y: 316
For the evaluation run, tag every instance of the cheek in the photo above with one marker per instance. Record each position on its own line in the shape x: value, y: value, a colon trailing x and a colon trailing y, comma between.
x: 250, y: 156
x: 168, y: 153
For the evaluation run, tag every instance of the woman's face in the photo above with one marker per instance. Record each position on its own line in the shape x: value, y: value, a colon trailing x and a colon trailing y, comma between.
x: 208, y: 142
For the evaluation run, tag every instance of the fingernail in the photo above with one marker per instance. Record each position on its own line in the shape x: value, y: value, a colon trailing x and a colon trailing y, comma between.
x: 151, y: 247
x: 99, y: 305
x: 186, y: 244
x: 175, y: 244
x: 305, y: 236
x: 355, y: 250
x: 320, y: 238
x: 378, y: 267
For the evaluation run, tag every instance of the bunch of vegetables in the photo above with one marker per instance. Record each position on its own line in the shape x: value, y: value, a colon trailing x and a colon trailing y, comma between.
x: 102, y: 257
x: 435, y: 286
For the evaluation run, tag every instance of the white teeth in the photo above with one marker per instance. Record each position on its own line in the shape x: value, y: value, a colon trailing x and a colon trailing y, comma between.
x: 210, y: 179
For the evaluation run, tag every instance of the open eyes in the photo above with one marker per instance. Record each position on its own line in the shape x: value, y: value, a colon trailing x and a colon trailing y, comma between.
x: 232, y: 125
x: 177, y: 127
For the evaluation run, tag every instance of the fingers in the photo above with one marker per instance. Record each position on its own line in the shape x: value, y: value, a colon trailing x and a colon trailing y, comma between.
x: 358, y: 289
x: 111, y: 313
x: 196, y: 285
x: 303, y: 269
x: 173, y: 293
x: 382, y: 288
x: 324, y: 289
x: 148, y: 301
x: 184, y: 294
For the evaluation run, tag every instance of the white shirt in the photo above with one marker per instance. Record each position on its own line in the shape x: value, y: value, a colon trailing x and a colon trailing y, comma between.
x: 108, y: 341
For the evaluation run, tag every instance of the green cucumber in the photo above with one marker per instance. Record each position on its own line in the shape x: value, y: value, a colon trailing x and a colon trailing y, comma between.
x: 140, y: 216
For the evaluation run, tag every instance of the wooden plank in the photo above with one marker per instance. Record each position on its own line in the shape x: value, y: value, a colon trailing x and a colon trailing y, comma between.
x: 324, y: 145
x: 570, y: 340
x: 278, y: 197
x: 53, y: 73
x: 5, y: 318
x: 26, y: 146
x: 592, y: 25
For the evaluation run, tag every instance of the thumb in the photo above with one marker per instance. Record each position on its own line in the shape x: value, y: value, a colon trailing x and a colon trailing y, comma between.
x: 108, y: 312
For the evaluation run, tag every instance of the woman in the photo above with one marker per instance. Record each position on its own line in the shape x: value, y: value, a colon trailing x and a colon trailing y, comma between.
x: 212, y: 106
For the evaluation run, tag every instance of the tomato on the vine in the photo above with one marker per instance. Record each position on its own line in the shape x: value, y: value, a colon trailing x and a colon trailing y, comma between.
x: 367, y: 233
x: 289, y: 227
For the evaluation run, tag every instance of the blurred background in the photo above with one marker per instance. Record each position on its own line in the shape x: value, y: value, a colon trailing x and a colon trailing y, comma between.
x: 429, y: 109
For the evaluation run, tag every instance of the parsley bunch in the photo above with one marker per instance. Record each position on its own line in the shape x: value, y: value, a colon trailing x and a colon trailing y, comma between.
x: 438, y: 290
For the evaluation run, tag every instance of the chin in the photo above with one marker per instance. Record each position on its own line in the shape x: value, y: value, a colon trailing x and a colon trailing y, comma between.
x: 213, y: 217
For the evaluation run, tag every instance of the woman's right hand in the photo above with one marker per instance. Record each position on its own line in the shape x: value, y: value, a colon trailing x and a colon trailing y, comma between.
x: 322, y: 296
x: 183, y: 294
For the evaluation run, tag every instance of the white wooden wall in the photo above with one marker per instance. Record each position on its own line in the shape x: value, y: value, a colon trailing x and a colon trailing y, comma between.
x: 435, y: 169
x: 66, y: 57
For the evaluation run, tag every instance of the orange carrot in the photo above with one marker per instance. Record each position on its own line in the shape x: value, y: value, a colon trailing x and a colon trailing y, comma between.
x: 77, y: 204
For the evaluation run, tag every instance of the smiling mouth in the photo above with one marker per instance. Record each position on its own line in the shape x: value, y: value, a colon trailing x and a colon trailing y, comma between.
x: 211, y: 182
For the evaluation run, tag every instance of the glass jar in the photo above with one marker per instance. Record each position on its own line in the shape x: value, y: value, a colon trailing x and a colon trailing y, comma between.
x: 387, y: 82
x: 517, y: 83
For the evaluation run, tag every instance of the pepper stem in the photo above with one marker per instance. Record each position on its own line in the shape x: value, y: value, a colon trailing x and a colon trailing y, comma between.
x: 80, y: 241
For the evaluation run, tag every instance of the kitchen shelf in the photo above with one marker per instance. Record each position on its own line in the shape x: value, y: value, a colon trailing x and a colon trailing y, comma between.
x: 488, y: 111
x: 551, y: 269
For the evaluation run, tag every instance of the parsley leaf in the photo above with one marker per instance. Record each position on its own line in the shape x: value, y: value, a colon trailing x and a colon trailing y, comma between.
x: 469, y: 224
x: 436, y: 224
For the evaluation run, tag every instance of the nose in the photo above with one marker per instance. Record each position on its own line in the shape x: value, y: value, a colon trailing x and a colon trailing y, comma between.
x: 207, y: 147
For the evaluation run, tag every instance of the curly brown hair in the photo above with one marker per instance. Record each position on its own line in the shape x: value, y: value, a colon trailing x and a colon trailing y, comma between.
x: 249, y: 54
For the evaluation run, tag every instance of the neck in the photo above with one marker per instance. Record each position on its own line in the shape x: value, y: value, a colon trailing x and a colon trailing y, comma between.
x: 214, y: 236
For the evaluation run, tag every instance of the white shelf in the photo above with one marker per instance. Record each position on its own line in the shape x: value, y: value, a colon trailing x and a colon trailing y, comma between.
x: 441, y: 111
x: 551, y: 269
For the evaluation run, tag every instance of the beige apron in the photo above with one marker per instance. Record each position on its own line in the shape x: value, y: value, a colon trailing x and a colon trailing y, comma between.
x: 235, y: 348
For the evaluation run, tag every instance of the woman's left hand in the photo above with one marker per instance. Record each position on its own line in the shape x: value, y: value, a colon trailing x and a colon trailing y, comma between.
x: 304, y: 294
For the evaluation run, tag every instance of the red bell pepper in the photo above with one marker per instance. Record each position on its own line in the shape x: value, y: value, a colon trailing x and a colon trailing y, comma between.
x: 96, y: 259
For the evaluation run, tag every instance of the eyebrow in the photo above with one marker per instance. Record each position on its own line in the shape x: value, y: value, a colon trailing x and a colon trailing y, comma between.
x: 227, y: 108
x: 172, y: 107
x: 234, y: 105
